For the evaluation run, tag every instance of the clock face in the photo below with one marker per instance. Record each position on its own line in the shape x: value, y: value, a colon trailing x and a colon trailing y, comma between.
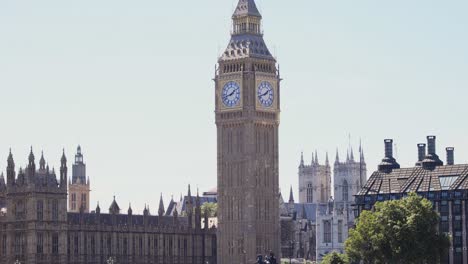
x: 265, y: 94
x: 231, y: 94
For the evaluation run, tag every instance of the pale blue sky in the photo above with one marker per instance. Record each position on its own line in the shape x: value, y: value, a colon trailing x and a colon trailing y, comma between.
x: 131, y: 82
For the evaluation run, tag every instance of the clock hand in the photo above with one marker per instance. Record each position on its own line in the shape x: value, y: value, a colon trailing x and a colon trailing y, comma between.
x: 264, y: 93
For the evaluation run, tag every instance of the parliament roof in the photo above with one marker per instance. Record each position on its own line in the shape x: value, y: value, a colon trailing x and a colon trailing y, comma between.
x: 417, y: 179
x: 123, y: 219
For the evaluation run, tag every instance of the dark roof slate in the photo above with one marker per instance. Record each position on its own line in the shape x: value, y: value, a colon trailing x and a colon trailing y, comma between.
x: 246, y: 46
x: 246, y: 8
x: 416, y: 179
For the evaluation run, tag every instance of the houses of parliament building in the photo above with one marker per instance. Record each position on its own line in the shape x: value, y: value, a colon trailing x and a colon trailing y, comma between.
x: 36, y: 227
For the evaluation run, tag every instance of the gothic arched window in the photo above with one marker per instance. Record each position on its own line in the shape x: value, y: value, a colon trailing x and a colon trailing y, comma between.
x: 327, y: 230
x: 310, y: 194
x: 345, y: 191
x: 323, y: 195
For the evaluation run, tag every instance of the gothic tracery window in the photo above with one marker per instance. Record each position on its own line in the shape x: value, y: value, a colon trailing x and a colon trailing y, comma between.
x: 340, y: 231
x: 323, y: 195
x: 345, y: 191
x: 73, y: 205
x: 327, y: 231
x: 55, y: 242
x: 19, y: 212
x: 40, y: 243
x: 310, y: 194
x: 55, y: 210
x: 40, y: 210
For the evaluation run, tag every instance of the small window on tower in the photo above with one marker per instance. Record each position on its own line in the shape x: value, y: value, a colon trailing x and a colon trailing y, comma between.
x: 345, y: 191
x: 40, y: 243
x: 55, y: 242
x: 327, y: 231
x: 340, y: 231
x: 40, y: 210
x: 310, y: 194
x: 55, y: 210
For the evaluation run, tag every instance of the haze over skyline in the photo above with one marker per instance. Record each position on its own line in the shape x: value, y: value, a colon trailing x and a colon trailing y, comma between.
x: 131, y: 83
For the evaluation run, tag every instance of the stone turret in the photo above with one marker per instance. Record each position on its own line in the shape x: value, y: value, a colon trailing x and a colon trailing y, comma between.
x: 348, y: 177
x: 337, y: 158
x: 42, y: 162
x: 11, y: 175
x: 114, y: 208
x: 3, y: 189
x: 130, y: 211
x: 291, y: 196
x: 161, y: 206
x: 79, y: 186
x: 314, y: 181
x: 197, y: 212
x: 38, y: 199
x: 32, y: 165
x: 175, y: 216
x: 63, y: 171
x: 2, y: 182
x: 301, y: 164
x: 189, y: 207
x: 98, y: 208
x: 146, y: 211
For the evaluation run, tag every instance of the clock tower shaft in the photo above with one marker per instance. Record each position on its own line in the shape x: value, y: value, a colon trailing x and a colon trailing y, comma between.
x: 247, y: 140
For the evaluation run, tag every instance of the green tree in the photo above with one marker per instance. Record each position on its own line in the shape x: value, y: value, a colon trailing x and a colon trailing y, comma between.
x: 399, y: 231
x: 335, y: 258
x: 210, y: 208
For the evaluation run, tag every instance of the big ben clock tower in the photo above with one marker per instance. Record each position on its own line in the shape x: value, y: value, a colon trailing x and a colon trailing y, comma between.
x: 247, y: 118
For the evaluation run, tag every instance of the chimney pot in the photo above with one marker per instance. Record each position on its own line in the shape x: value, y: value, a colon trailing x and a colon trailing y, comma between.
x: 431, y: 145
x: 421, y: 151
x: 388, y: 148
x: 388, y: 163
x: 450, y: 156
x: 432, y: 160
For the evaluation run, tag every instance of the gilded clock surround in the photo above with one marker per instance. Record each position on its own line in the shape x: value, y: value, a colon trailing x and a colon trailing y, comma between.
x: 219, y: 93
x: 273, y: 82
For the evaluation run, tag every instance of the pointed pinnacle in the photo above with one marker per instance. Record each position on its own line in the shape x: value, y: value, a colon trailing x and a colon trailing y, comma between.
x: 291, y: 197
x: 301, y: 164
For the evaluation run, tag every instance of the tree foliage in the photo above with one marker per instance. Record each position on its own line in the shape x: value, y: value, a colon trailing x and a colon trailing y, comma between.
x: 335, y: 258
x: 210, y: 208
x: 399, y: 231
